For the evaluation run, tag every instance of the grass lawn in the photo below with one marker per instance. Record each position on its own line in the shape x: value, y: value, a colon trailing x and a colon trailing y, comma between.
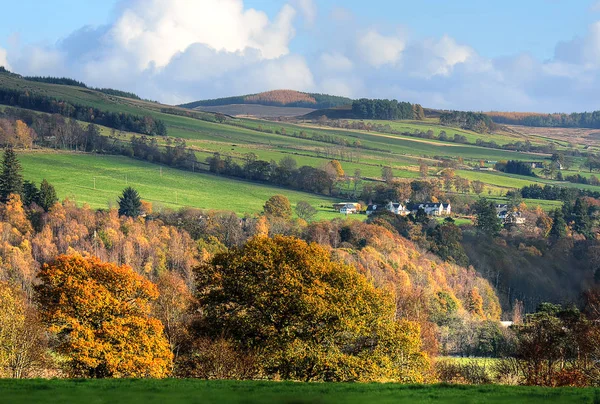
x: 249, y: 392
x: 73, y: 176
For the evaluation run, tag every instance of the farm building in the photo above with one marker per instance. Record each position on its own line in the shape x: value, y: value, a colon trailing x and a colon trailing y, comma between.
x: 347, y: 208
x: 432, y: 208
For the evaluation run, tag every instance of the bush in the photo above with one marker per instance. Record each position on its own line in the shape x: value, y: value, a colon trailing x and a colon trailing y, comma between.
x: 470, y: 372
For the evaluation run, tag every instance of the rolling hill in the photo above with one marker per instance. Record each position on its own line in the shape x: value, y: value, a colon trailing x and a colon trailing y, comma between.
x: 361, y: 146
x: 276, y: 98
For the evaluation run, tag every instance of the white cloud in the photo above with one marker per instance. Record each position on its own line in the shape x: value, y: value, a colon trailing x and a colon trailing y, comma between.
x: 308, y: 8
x: 379, y: 50
x: 182, y: 50
x: 154, y: 31
x: 335, y: 61
x: 3, y: 59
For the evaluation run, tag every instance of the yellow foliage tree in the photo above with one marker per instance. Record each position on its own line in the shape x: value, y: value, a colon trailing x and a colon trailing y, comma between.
x: 23, y: 134
x: 100, y: 314
x: 306, y: 316
x: 22, y: 341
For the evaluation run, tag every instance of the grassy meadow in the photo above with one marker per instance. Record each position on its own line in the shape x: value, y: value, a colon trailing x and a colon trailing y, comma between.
x: 73, y: 176
x: 250, y: 392
x: 270, y: 141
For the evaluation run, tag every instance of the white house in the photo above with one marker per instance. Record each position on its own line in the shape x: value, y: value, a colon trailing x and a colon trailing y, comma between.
x: 507, y: 216
x: 347, y: 208
x: 432, y: 208
x: 397, y: 208
x: 394, y: 207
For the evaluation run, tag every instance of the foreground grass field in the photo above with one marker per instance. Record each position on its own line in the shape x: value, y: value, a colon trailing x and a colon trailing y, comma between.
x: 73, y: 177
x: 198, y: 391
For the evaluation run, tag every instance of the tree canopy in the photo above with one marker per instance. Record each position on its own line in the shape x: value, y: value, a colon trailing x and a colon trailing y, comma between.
x: 100, y: 314
x: 305, y: 316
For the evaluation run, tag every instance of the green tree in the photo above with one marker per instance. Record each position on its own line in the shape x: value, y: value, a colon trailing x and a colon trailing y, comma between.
x: 559, y: 225
x: 487, y: 221
x: 278, y: 206
x: 445, y: 242
x: 305, y: 316
x: 582, y: 222
x: 31, y: 193
x: 130, y: 203
x: 305, y: 211
x: 11, y: 181
x: 47, y: 195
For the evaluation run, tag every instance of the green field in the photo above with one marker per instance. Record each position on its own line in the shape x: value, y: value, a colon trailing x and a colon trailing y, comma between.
x: 271, y: 141
x: 73, y: 176
x: 200, y: 391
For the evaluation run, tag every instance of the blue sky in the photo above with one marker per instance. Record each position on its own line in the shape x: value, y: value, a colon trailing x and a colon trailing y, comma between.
x: 521, y: 55
x: 493, y: 28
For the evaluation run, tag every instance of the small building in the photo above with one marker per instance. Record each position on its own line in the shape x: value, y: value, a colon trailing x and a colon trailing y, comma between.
x: 394, y: 207
x: 535, y: 164
x: 347, y: 208
x: 372, y: 208
x: 397, y: 208
x: 432, y: 208
x: 507, y: 216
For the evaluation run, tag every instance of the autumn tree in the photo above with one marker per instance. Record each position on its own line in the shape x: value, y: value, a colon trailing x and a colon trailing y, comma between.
x: 172, y: 308
x: 23, y: 344
x: 387, y: 174
x: 423, y: 170
x: 305, y: 211
x: 100, y: 314
x: 278, y: 206
x: 130, y: 203
x: 11, y: 181
x: 23, y: 134
x: 478, y: 187
x: 305, y: 316
x: 337, y: 168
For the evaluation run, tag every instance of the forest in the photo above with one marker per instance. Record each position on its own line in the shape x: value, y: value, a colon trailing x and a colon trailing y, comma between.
x: 386, y: 109
x: 120, y: 121
x: 557, y: 120
x: 474, y: 121
x: 278, y: 98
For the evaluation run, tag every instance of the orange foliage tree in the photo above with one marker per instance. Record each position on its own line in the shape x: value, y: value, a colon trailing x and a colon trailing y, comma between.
x: 100, y: 313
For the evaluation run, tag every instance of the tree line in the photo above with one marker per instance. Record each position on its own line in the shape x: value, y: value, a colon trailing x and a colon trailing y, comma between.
x: 477, y: 122
x: 283, y: 173
x: 386, y: 109
x: 118, y: 120
x: 573, y: 120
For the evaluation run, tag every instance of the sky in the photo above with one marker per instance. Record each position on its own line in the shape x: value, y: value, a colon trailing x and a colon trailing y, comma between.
x: 527, y: 55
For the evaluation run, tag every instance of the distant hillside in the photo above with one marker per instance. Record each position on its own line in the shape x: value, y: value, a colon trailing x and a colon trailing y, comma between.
x: 255, y: 110
x: 277, y: 98
x: 341, y: 112
x: 556, y: 120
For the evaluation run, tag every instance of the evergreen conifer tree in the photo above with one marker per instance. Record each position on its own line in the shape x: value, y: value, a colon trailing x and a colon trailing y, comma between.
x: 47, y: 197
x: 130, y: 203
x: 11, y: 181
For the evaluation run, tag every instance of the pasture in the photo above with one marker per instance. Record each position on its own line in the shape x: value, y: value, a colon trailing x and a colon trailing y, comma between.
x: 249, y: 392
x: 73, y: 175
